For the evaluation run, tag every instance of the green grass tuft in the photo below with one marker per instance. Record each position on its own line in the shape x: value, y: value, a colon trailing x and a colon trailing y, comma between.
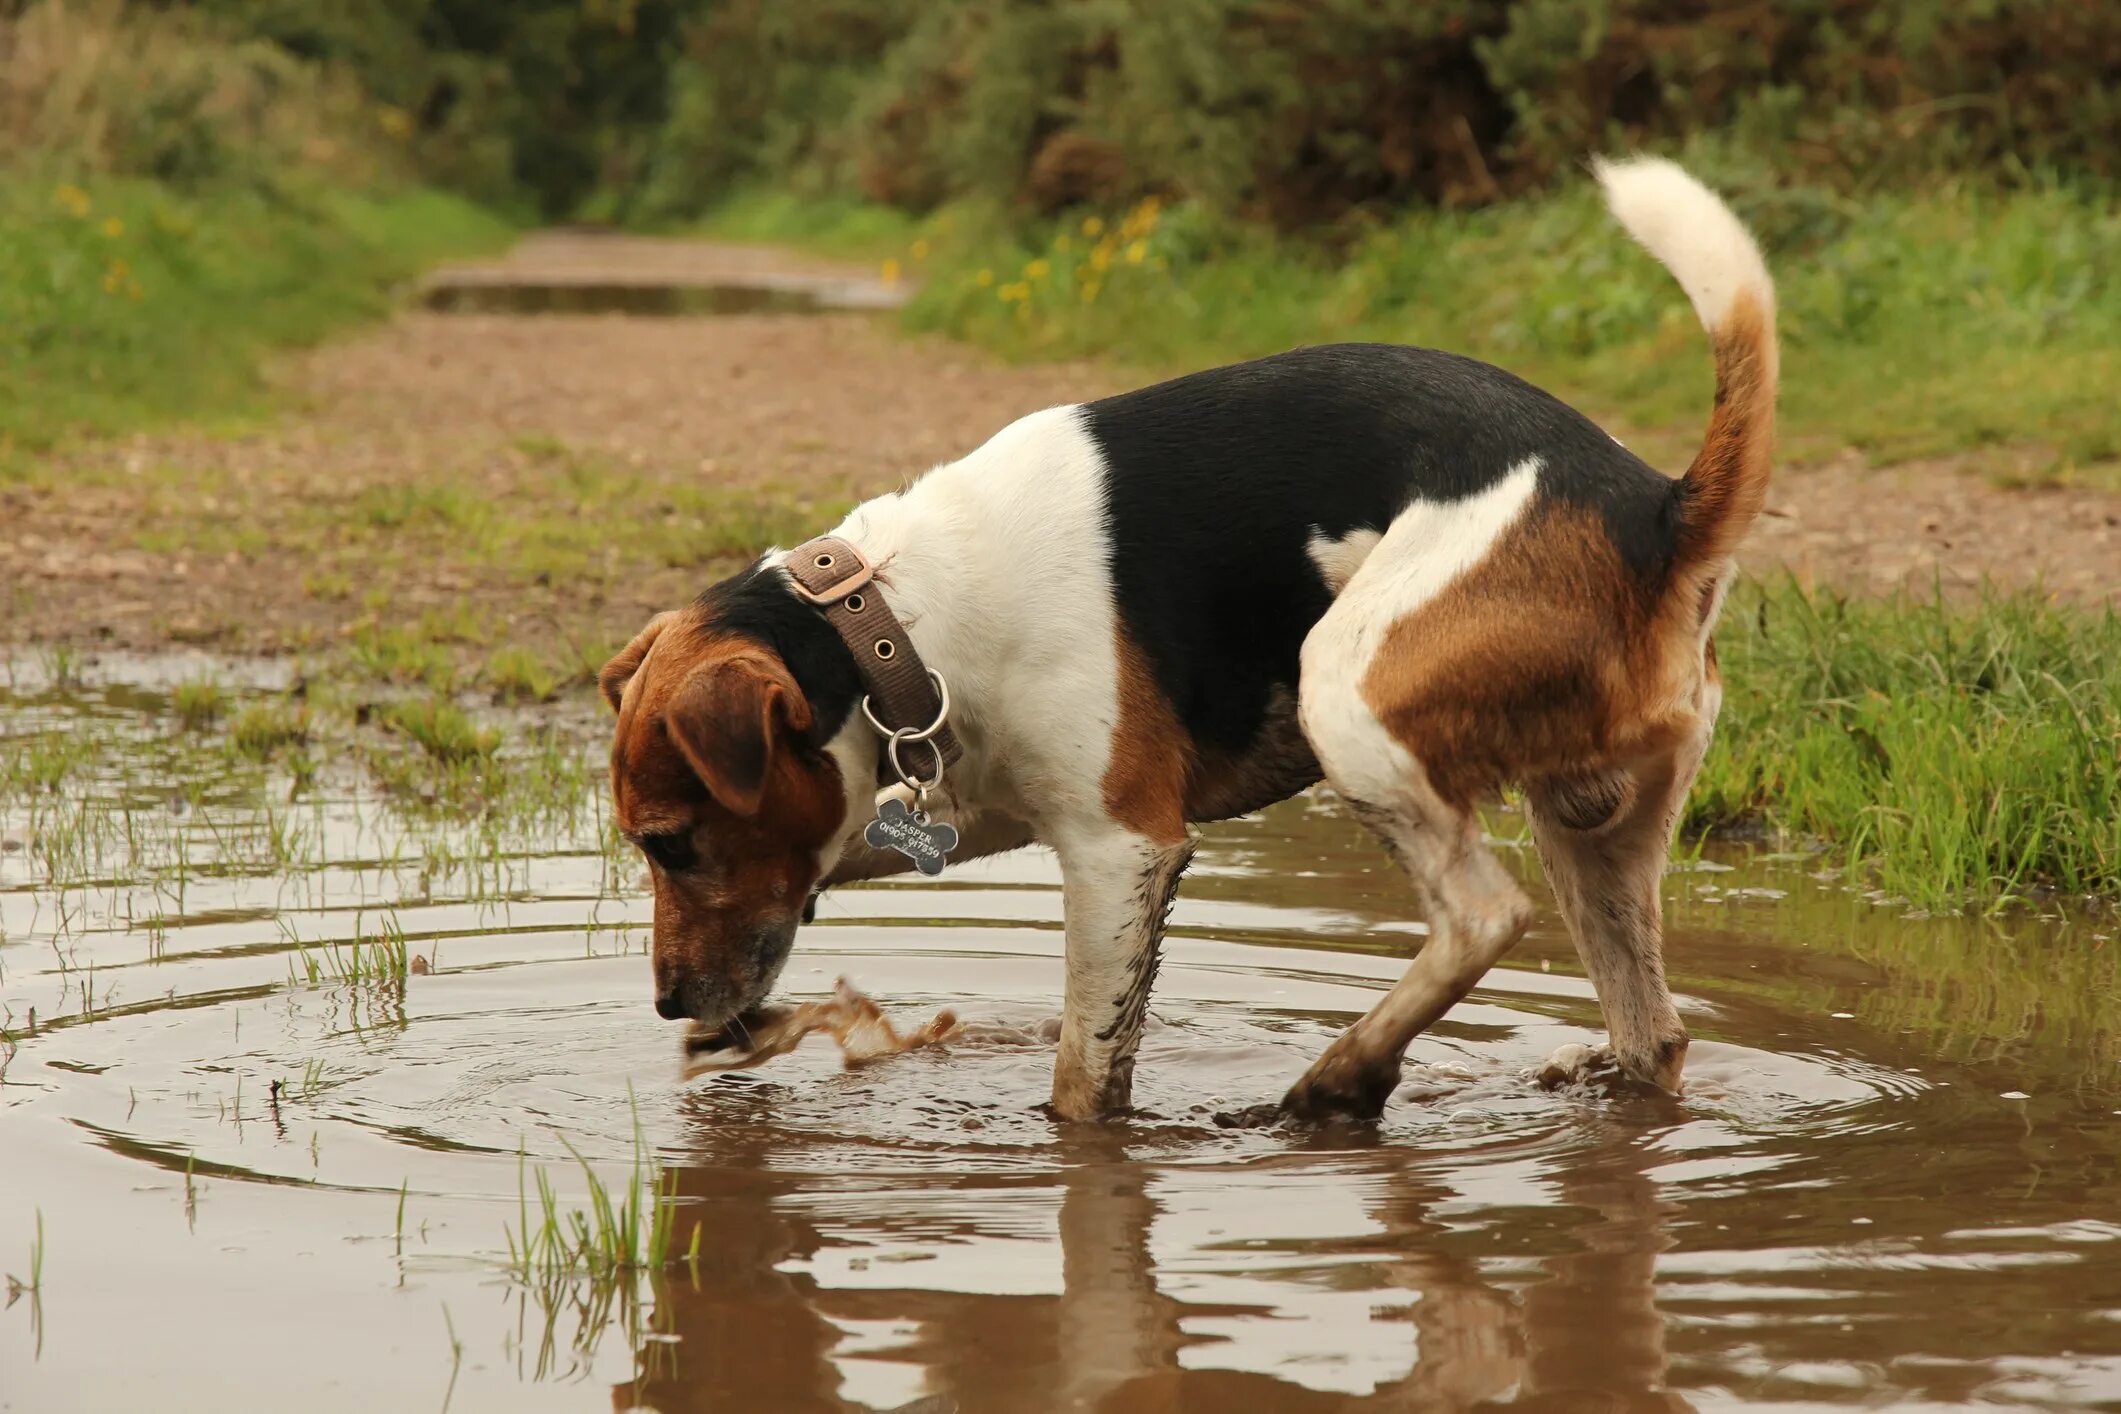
x: 1943, y: 750
x: 264, y: 729
x: 440, y: 728
x: 199, y: 703
x: 519, y: 675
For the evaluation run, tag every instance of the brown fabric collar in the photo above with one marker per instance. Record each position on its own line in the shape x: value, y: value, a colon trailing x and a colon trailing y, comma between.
x: 841, y: 582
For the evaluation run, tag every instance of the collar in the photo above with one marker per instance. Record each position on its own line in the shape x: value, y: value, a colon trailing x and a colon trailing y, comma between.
x: 906, y: 702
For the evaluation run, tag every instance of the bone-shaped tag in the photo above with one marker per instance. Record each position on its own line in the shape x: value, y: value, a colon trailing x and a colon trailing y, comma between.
x: 911, y: 834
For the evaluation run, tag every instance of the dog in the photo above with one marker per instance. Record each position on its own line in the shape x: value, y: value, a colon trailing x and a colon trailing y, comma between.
x: 1407, y: 573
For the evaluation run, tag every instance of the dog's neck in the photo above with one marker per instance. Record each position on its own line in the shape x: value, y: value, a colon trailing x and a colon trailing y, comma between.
x: 995, y: 563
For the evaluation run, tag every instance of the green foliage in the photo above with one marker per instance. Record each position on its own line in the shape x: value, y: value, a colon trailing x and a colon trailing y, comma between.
x: 1942, y: 750
x: 1294, y: 115
x: 169, y: 96
x: 1912, y: 325
x: 1298, y: 114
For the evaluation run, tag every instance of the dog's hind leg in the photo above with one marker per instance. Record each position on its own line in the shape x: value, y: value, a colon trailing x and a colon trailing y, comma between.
x: 1476, y: 914
x: 1116, y: 888
x: 1603, y: 839
x: 1406, y: 683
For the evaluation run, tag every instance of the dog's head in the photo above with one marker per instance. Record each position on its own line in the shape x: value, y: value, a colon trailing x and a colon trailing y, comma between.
x: 720, y: 778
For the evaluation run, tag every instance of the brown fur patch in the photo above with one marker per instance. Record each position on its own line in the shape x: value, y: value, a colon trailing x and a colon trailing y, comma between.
x: 1546, y: 659
x: 1145, y: 782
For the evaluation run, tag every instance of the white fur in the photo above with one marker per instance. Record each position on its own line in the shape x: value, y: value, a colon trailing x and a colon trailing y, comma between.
x: 1428, y: 545
x: 999, y: 566
x: 1690, y: 231
x: 1337, y: 560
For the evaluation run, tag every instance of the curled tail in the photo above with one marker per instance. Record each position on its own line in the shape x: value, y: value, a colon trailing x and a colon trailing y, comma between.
x: 1709, y: 251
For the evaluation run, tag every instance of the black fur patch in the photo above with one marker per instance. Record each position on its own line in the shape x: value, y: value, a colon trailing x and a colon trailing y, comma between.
x: 758, y: 603
x: 1217, y: 480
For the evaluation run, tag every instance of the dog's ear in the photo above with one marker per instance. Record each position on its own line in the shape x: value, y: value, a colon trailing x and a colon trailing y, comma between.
x: 620, y: 670
x: 731, y: 718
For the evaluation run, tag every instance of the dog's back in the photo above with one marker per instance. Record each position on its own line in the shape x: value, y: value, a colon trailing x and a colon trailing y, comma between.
x: 1243, y: 499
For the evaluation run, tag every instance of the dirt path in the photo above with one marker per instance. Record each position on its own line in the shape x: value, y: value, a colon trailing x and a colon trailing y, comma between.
x: 521, y: 479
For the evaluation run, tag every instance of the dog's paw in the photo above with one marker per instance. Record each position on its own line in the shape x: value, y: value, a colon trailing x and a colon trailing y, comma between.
x: 1341, y: 1086
x: 1260, y: 1116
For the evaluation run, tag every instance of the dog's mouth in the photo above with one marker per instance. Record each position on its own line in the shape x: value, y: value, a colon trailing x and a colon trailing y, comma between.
x: 739, y: 1033
x: 742, y: 1032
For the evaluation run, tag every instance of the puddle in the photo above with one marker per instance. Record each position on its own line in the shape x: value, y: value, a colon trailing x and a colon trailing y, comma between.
x: 1896, y: 1179
x: 472, y: 292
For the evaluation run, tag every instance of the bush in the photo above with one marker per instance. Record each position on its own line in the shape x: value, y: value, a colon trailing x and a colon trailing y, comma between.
x: 1297, y: 114
x: 166, y: 96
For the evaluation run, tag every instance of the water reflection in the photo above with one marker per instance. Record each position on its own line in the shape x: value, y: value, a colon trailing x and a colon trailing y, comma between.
x: 1113, y: 1282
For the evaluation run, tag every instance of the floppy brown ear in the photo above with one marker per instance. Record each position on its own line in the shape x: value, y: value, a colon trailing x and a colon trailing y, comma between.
x: 730, y: 719
x: 620, y: 670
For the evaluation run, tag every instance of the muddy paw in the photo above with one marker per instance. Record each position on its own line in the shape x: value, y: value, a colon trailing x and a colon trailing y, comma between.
x: 1340, y: 1088
x: 1578, y: 1064
x: 1259, y: 1116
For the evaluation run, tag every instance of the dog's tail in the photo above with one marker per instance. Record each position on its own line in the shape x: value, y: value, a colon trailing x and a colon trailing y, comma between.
x: 1708, y: 250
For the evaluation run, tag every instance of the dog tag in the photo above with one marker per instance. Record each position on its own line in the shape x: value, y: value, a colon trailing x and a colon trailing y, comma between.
x: 909, y: 831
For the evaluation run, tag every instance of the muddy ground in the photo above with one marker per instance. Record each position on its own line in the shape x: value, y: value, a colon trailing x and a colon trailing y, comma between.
x: 552, y: 479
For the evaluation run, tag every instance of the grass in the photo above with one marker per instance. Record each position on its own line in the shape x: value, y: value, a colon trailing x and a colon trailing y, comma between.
x: 199, y: 703
x: 440, y: 728
x: 33, y: 1285
x: 593, y: 1259
x: 265, y: 729
x: 1914, y: 325
x: 18, y: 1287
x: 1942, y: 751
x: 128, y: 303
x: 519, y: 675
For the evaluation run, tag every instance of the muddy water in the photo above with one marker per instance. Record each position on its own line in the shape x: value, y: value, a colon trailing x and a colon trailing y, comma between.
x: 1896, y: 1179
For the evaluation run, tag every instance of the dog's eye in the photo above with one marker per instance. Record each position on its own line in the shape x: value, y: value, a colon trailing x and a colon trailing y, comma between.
x: 670, y: 852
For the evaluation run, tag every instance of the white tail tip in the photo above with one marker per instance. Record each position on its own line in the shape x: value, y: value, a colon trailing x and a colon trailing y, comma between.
x: 1690, y: 231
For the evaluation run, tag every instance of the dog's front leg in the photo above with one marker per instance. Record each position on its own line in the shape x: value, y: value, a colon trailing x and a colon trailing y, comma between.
x: 1116, y: 888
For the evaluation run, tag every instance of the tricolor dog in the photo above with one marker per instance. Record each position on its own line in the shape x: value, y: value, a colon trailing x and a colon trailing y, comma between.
x: 1405, y: 572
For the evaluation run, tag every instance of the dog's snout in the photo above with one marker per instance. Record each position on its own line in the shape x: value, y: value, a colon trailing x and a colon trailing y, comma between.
x: 670, y: 1004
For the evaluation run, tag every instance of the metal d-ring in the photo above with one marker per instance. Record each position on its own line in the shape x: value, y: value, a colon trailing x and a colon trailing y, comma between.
x: 897, y: 737
x: 942, y: 713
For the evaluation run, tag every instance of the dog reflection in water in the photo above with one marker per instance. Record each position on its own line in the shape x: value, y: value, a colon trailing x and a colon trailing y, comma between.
x: 772, y: 1315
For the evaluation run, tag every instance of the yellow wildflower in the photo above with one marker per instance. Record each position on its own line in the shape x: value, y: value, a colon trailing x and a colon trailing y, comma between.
x: 983, y: 279
x: 1136, y: 252
x: 1093, y: 227
x: 1090, y: 289
x: 116, y: 276
x: 1101, y: 258
x: 1037, y: 270
x: 113, y: 227
x: 890, y: 272
x: 920, y: 250
x: 72, y: 198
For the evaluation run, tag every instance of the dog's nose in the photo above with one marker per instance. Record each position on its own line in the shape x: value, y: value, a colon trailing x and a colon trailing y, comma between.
x: 670, y: 1005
